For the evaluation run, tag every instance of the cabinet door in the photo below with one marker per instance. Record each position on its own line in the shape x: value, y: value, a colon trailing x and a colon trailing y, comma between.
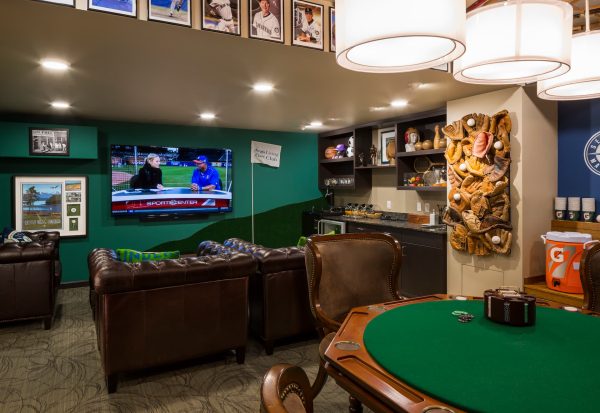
x: 423, y: 270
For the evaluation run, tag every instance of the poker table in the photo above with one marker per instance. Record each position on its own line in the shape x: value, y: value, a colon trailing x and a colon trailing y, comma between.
x: 416, y: 356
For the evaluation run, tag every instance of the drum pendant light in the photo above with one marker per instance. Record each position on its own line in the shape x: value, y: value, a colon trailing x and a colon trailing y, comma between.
x: 388, y: 36
x: 516, y: 42
x: 583, y: 80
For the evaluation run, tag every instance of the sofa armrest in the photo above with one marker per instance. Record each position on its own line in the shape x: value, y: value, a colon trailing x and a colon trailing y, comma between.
x: 14, y: 252
x: 45, y: 236
x: 111, y: 276
x: 209, y: 247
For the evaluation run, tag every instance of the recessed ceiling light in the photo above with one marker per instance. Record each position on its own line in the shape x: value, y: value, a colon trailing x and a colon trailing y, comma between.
x: 57, y: 104
x: 56, y: 65
x: 263, y: 87
x: 207, y: 116
x: 377, y: 108
x: 399, y: 103
x: 316, y: 124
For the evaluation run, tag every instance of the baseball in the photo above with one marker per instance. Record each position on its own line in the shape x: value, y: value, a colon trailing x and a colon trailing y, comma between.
x: 496, y: 239
x: 456, y: 197
x: 598, y: 218
x: 463, y: 167
x: 498, y: 145
x: 471, y: 122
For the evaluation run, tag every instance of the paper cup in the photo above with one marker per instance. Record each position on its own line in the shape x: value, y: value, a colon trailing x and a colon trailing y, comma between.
x: 560, y: 214
x: 560, y: 203
x: 573, y: 215
x: 588, y: 216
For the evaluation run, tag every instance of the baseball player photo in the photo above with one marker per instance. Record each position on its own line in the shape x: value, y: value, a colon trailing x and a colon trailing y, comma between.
x: 221, y: 16
x: 126, y: 7
x: 266, y: 20
x: 170, y: 11
x: 308, y: 24
x: 332, y: 29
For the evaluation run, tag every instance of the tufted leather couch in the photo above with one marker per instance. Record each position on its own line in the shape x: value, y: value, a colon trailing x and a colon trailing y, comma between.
x: 161, y: 312
x: 29, y: 278
x: 279, y: 306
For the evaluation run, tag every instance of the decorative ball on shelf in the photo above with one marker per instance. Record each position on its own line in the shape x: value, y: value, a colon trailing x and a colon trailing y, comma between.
x: 418, y: 146
x: 330, y: 152
x: 463, y: 167
x: 598, y: 218
x: 427, y: 144
x: 498, y: 145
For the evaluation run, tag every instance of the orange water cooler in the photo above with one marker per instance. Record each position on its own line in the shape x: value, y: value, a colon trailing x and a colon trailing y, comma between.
x: 563, y: 258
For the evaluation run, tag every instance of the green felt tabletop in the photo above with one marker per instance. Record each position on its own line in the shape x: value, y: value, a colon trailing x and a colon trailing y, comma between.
x: 489, y: 367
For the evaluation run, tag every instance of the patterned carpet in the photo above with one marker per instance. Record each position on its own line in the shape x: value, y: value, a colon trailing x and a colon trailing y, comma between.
x: 59, y: 371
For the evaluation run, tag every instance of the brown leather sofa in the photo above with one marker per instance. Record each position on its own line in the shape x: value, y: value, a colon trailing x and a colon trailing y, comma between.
x: 29, y: 278
x: 279, y: 306
x: 161, y: 312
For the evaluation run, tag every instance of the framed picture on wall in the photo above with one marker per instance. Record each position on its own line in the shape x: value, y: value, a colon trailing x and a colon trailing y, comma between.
x: 124, y: 7
x: 51, y: 203
x: 221, y: 16
x: 49, y: 142
x: 170, y: 11
x: 266, y: 20
x: 387, y: 143
x: 63, y: 2
x: 332, y: 29
x: 307, y: 22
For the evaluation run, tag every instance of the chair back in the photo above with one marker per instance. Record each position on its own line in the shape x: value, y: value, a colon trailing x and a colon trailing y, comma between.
x: 590, y: 278
x: 350, y: 270
x: 286, y: 389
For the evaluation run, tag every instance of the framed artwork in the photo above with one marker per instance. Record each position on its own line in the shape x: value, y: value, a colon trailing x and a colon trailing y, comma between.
x: 63, y: 2
x: 124, y: 7
x: 221, y: 16
x: 387, y: 137
x: 307, y: 24
x: 48, y: 142
x: 266, y: 20
x: 170, y: 11
x: 332, y: 29
x: 51, y: 203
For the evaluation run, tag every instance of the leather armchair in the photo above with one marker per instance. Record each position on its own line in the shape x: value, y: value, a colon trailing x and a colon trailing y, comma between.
x: 278, y: 290
x: 161, y: 312
x: 30, y: 275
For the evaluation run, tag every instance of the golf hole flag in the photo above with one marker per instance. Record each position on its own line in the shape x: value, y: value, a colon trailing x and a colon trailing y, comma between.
x: 266, y: 153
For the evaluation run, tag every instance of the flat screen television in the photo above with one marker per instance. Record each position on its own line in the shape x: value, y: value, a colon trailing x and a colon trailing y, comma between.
x: 163, y: 181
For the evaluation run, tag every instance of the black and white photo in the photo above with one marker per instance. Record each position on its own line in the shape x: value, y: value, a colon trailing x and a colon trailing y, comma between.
x: 48, y: 142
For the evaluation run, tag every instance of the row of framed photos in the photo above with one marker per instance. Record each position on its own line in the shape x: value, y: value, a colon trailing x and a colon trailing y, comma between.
x: 265, y: 17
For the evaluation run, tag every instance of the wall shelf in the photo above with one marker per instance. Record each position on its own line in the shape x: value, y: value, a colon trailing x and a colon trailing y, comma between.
x: 420, y: 153
x: 338, y: 160
x: 376, y: 167
x: 422, y: 188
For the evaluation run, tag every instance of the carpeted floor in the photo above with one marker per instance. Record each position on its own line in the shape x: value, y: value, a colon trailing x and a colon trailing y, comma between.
x: 59, y: 371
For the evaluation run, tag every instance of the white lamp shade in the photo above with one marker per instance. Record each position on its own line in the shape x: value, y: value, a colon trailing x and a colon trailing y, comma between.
x: 387, y: 36
x: 583, y: 80
x: 518, y: 41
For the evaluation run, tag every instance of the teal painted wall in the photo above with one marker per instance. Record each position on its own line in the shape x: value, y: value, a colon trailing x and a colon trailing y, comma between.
x: 295, y: 182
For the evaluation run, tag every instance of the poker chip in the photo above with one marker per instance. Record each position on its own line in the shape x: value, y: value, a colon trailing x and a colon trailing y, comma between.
x: 458, y: 312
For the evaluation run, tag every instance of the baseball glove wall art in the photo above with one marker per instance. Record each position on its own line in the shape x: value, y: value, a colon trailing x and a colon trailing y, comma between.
x: 478, y: 155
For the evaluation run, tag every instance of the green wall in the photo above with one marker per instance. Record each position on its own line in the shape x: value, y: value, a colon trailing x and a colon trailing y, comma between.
x: 279, y: 193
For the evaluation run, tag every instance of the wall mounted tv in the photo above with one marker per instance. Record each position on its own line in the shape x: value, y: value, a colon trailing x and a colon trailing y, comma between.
x: 169, y: 182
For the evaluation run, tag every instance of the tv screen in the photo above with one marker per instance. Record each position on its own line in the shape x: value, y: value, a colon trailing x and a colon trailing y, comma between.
x: 162, y: 181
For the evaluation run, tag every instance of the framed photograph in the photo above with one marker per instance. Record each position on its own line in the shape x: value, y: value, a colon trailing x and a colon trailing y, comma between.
x: 332, y: 29
x: 51, y: 203
x: 124, y: 7
x: 221, y: 16
x: 63, y: 2
x: 266, y: 20
x: 48, y: 142
x: 307, y: 21
x: 170, y: 11
x: 387, y: 143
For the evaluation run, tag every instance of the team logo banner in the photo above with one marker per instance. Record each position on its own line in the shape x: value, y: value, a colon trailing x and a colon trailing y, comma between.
x: 591, y: 153
x: 266, y: 153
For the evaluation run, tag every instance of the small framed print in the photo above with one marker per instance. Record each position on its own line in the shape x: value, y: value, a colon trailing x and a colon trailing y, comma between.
x: 51, y: 203
x: 124, y: 7
x: 221, y: 16
x: 170, y: 11
x: 387, y: 137
x: 49, y: 142
x: 266, y: 20
x: 332, y: 29
x: 307, y: 21
x: 63, y: 2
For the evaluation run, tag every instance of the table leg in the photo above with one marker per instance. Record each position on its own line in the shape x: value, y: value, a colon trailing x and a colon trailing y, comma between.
x: 355, y: 405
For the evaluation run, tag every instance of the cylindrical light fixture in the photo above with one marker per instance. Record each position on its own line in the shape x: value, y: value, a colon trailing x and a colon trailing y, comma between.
x: 517, y: 41
x: 583, y: 80
x: 388, y: 36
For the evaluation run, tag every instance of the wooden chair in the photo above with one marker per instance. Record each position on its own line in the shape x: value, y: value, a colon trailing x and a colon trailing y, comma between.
x: 590, y: 278
x: 286, y: 389
x: 346, y: 271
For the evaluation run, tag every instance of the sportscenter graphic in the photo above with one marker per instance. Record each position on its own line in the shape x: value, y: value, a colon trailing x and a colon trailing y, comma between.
x: 155, y: 180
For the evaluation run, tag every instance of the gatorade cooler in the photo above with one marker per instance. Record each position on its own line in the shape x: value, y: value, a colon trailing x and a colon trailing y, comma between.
x: 563, y: 257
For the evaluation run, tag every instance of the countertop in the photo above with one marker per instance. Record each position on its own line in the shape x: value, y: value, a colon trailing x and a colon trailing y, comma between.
x: 387, y: 223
